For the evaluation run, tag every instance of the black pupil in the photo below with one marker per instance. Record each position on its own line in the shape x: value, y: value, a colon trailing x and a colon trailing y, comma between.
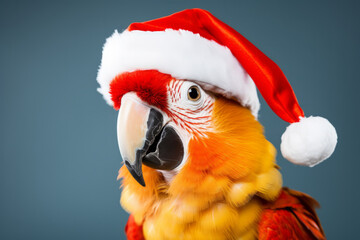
x: 193, y: 93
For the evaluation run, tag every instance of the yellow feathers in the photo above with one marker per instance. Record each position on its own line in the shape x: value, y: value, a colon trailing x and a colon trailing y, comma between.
x: 240, y: 193
x: 217, y: 194
x: 269, y: 184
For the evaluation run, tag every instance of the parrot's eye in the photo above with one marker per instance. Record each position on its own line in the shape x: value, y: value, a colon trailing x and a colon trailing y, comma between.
x: 194, y: 93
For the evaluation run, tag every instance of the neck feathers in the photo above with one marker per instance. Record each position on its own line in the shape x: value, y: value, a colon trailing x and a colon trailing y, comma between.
x: 220, y: 187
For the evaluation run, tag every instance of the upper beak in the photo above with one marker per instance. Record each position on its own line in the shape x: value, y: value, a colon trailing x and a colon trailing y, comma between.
x: 137, y: 126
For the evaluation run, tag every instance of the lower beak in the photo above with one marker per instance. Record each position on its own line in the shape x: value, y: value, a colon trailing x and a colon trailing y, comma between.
x: 137, y: 126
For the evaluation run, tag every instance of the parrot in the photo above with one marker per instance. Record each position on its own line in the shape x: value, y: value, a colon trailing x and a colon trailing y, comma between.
x: 196, y: 174
x: 196, y: 162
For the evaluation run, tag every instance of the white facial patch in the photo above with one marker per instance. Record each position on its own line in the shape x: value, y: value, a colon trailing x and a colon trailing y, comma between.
x: 194, y: 116
x: 190, y: 118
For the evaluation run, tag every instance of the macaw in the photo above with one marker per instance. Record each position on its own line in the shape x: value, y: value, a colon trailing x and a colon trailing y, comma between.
x: 198, y: 166
x: 196, y: 162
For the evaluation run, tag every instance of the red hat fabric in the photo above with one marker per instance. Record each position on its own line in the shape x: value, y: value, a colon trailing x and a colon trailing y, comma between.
x: 195, y: 45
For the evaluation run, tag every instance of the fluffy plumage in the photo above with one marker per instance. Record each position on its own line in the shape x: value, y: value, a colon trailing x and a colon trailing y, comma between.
x: 217, y: 194
x: 228, y: 186
x: 291, y: 216
x: 225, y: 183
x: 149, y: 85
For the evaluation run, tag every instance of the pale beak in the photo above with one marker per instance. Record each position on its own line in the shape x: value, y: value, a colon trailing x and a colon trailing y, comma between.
x: 144, y: 137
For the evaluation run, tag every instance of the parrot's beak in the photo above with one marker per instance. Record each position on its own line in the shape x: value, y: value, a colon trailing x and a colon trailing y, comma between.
x: 145, y: 138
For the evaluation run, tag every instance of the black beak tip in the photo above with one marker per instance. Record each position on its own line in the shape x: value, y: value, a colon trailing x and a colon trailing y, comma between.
x: 140, y: 180
x: 137, y: 175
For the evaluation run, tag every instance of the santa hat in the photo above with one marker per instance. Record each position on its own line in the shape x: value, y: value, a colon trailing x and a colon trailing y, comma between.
x: 194, y: 45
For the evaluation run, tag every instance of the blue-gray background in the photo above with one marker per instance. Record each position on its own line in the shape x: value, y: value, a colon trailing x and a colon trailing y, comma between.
x: 58, y: 149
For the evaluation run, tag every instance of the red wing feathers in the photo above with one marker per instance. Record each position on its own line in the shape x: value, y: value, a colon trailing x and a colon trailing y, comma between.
x: 133, y: 231
x: 291, y: 216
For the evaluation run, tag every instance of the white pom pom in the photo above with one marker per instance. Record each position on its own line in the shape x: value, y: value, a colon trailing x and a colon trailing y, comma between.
x: 308, y: 142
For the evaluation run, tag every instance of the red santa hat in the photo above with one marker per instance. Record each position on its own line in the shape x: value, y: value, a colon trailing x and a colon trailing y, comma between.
x: 194, y: 45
